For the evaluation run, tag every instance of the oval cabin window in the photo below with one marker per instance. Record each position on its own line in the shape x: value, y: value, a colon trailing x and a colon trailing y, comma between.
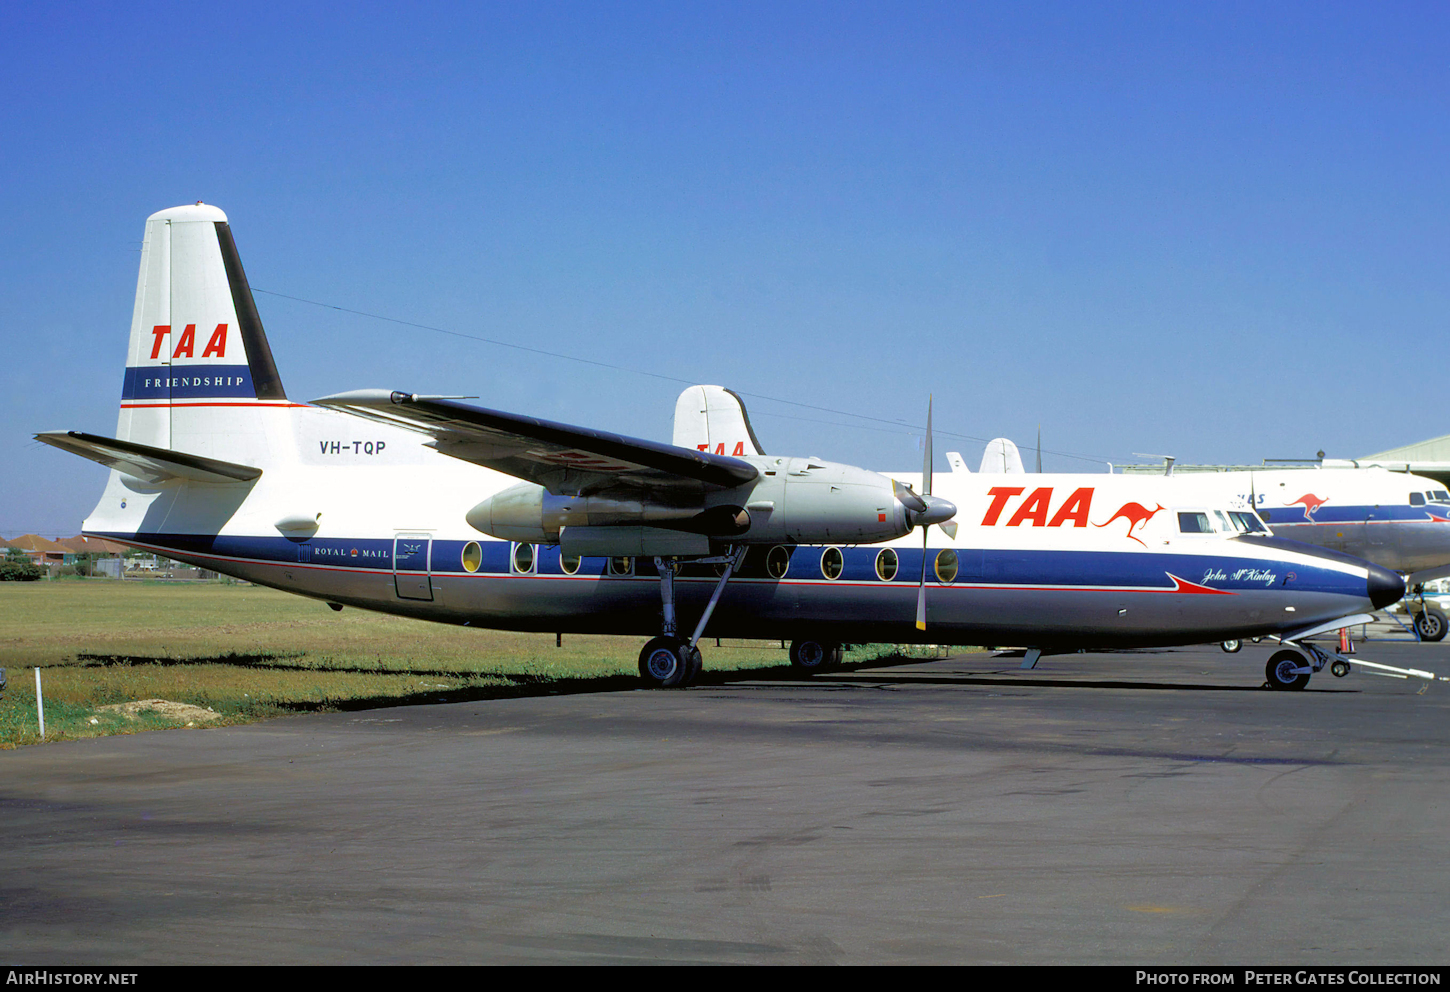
x: 472, y: 556
x: 833, y: 563
x: 946, y: 566
x: 777, y: 563
x: 523, y: 558
x: 886, y: 565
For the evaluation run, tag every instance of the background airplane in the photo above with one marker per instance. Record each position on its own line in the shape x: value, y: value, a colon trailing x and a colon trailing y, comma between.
x: 1395, y: 519
x: 411, y: 504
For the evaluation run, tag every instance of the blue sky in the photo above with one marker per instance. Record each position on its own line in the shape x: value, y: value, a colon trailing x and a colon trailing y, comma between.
x: 1218, y: 231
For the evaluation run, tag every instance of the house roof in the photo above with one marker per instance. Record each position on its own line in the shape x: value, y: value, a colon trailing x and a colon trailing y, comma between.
x: 34, y: 542
x: 91, y: 545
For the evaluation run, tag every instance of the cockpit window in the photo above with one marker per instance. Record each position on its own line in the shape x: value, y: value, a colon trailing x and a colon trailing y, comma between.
x: 1417, y: 499
x: 1223, y: 525
x: 1249, y: 522
x: 1440, y: 494
x: 1194, y: 523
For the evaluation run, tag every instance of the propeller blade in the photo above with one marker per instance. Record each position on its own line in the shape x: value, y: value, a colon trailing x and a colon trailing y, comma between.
x: 921, y: 589
x: 926, y: 461
x: 925, y: 528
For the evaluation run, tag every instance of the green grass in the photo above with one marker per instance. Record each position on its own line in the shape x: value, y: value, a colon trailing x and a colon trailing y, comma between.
x: 251, y: 653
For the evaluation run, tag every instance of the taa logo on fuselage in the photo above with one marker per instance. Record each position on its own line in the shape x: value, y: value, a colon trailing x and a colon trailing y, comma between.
x: 1036, y: 510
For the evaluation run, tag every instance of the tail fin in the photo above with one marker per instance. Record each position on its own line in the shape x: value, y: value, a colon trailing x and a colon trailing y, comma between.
x: 199, y: 364
x: 1001, y: 456
x: 713, y: 418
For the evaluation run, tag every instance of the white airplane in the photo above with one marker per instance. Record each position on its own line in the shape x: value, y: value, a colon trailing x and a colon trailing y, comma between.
x: 1395, y: 519
x: 410, y: 504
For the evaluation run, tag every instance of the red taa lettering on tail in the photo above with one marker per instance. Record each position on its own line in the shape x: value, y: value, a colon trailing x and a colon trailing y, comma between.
x: 1136, y: 514
x: 1311, y: 503
x: 187, y: 344
x: 160, y: 330
x: 218, y: 344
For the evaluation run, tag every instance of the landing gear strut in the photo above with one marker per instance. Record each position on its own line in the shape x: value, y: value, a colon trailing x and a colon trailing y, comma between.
x: 671, y: 661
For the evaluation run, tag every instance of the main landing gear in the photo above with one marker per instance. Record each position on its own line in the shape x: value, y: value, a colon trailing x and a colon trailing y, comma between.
x: 671, y: 661
x: 815, y: 656
x: 1430, y: 624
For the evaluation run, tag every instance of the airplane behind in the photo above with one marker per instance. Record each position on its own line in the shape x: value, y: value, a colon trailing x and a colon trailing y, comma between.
x: 1395, y: 519
x: 432, y: 508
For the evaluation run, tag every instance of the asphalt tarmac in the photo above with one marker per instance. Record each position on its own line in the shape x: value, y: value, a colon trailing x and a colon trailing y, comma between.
x: 1140, y: 808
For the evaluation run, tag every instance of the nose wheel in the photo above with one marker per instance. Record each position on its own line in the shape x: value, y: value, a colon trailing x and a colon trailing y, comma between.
x: 1287, y: 670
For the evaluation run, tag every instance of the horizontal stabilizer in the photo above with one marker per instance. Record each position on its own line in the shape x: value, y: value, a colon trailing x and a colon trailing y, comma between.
x: 154, y: 465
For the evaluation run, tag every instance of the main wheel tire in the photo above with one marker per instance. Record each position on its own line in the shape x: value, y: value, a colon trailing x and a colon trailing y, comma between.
x: 1430, y: 624
x: 664, y: 663
x: 1232, y: 646
x: 1279, y: 672
x: 814, y: 656
x: 696, y: 666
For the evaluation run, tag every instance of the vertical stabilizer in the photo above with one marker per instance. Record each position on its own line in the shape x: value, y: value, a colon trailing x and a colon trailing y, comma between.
x: 712, y: 418
x: 1001, y: 457
x: 198, y: 363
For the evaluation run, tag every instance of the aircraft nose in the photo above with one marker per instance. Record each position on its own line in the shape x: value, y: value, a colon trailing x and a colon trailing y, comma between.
x: 1384, y: 587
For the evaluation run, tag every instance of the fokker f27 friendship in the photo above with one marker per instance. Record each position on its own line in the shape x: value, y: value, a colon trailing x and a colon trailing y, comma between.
x: 433, y: 508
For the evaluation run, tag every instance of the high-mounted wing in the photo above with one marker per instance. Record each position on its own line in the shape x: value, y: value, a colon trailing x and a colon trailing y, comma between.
x: 564, y: 459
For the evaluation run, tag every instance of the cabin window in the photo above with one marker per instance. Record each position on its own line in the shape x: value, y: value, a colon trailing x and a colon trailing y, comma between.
x: 569, y: 564
x: 472, y: 556
x: 777, y: 563
x: 620, y: 565
x: 1417, y: 499
x: 886, y: 565
x: 832, y: 563
x: 523, y: 558
x: 946, y: 566
x: 1194, y: 523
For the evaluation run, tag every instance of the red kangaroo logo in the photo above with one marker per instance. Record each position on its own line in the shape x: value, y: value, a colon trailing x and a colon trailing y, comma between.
x: 1311, y: 503
x: 1136, y: 514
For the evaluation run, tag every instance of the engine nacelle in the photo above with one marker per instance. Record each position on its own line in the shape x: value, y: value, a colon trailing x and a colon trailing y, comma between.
x: 529, y: 514
x: 793, y: 501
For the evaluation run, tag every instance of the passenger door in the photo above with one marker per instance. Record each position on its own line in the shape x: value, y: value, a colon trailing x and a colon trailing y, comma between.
x: 410, y: 566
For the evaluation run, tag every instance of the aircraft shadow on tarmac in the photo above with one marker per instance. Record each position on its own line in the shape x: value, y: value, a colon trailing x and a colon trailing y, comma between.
x: 878, y: 673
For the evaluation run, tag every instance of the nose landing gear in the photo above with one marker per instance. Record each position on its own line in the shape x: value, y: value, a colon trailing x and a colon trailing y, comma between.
x: 1287, y: 670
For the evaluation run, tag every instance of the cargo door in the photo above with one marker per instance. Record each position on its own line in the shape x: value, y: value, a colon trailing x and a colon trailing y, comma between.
x: 410, y: 566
